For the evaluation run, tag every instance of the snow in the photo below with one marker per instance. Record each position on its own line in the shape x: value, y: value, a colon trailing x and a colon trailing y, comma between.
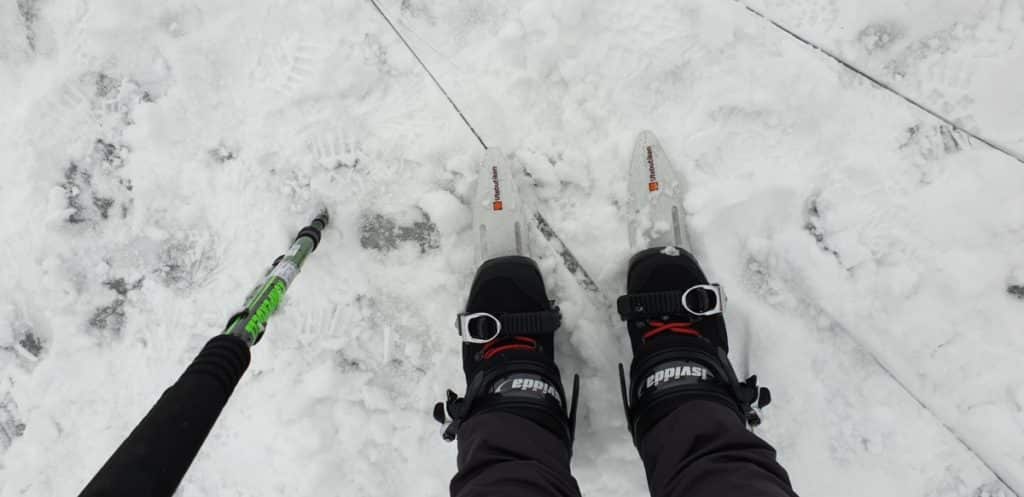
x: 958, y: 58
x: 157, y: 155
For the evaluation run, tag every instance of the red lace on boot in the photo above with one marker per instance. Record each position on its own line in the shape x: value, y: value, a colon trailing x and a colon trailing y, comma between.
x: 516, y: 343
x: 659, y: 327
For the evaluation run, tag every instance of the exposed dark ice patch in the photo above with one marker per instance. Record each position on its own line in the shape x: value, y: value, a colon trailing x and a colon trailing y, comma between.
x: 345, y: 363
x: 108, y: 154
x: 121, y: 287
x: 111, y: 317
x: 813, y: 215
x: 951, y: 143
x: 25, y: 340
x: 187, y: 261
x: 107, y: 86
x: 29, y: 11
x: 935, y: 141
x: 812, y: 225
x: 113, y: 98
x: 31, y: 343
x: 340, y: 164
x: 381, y: 233
x: 75, y: 180
x: 1016, y: 291
x: 92, y: 187
x: 11, y: 426
x: 103, y: 205
x: 223, y: 153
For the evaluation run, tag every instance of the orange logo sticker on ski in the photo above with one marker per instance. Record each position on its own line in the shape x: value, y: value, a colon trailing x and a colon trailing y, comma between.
x: 497, y: 189
x: 652, y: 186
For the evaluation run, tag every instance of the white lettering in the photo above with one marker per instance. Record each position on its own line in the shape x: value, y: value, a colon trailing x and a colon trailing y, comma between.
x: 674, y: 373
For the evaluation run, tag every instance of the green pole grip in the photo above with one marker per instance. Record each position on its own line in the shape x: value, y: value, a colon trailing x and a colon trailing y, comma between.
x: 250, y: 323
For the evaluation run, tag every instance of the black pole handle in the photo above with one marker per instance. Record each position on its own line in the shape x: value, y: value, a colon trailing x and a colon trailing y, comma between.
x: 153, y: 459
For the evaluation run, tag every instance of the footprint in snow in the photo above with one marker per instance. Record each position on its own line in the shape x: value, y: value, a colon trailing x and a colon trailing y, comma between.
x: 384, y: 234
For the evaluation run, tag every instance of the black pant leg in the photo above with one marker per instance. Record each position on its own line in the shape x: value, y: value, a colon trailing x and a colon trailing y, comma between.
x: 504, y: 455
x: 703, y: 450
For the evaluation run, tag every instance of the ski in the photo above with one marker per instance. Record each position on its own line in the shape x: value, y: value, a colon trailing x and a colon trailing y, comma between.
x: 499, y: 216
x: 657, y: 218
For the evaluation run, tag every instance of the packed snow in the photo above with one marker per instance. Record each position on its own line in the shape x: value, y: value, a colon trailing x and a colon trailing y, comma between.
x: 157, y: 156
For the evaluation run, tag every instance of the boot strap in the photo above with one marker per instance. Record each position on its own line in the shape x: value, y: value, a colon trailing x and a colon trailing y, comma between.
x: 483, y: 327
x: 694, y: 303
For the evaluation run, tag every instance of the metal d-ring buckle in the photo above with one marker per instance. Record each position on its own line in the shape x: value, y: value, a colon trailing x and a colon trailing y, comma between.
x: 464, y: 321
x: 715, y: 289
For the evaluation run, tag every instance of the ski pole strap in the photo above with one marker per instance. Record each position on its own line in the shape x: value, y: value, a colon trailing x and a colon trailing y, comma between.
x: 483, y: 327
x: 694, y: 303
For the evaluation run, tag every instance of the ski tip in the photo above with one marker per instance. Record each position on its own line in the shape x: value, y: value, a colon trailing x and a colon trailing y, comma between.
x: 646, y: 137
x: 494, y: 154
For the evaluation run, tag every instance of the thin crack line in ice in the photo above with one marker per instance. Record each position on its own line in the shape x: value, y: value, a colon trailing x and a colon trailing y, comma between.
x: 920, y: 401
x: 583, y: 278
x: 568, y: 258
x: 874, y: 354
x: 885, y: 86
x: 429, y: 73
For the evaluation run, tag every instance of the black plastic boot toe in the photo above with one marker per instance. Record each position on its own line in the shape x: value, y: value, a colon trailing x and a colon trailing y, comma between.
x: 508, y: 351
x: 677, y: 331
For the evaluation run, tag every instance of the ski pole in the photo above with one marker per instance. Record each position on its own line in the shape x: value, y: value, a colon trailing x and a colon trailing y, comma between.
x: 153, y: 459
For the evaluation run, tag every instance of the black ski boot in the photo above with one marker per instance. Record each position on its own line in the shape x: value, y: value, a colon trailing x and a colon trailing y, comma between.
x: 508, y: 332
x: 677, y: 332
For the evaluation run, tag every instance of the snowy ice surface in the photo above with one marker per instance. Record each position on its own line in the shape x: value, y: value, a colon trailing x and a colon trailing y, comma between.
x: 958, y: 58
x: 157, y: 155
